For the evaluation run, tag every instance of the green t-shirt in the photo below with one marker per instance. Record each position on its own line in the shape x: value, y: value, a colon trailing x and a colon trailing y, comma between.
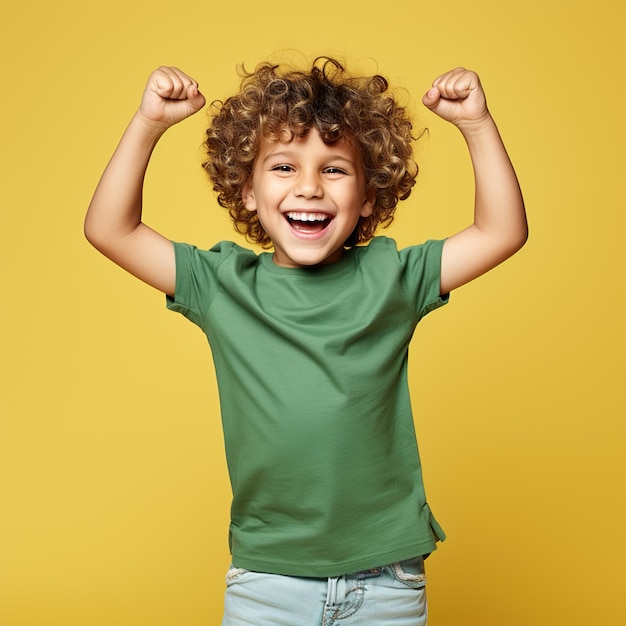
x: 312, y: 374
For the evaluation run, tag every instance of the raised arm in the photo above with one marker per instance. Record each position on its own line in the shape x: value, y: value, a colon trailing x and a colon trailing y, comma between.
x: 499, y: 228
x: 113, y: 223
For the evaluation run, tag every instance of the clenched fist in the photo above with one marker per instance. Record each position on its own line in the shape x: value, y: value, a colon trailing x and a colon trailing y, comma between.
x: 170, y: 96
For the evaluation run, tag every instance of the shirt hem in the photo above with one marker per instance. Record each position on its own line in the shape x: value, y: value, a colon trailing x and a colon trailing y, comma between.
x: 331, y: 570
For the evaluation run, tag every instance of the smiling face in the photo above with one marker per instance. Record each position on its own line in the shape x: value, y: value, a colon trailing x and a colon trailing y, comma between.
x: 309, y: 197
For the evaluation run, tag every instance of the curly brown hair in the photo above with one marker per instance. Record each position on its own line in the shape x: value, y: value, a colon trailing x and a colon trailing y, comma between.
x: 274, y: 103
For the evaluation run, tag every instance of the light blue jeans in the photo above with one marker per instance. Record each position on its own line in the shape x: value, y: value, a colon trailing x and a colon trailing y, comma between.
x: 392, y: 595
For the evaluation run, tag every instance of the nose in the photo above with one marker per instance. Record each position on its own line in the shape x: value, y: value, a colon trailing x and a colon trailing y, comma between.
x: 308, y: 184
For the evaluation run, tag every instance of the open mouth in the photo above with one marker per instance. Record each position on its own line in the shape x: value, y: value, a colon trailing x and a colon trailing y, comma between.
x: 308, y: 223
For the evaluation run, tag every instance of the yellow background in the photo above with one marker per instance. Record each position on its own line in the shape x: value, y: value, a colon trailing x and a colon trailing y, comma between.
x: 114, y: 497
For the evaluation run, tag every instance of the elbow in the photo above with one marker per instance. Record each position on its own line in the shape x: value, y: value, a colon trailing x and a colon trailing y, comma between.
x: 517, y: 241
x: 87, y: 231
x: 522, y: 239
x: 91, y: 233
x: 504, y: 247
x: 515, y: 232
x: 523, y: 235
x: 94, y: 235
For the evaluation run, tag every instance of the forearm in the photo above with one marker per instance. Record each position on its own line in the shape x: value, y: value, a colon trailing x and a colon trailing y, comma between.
x: 115, y: 209
x: 499, y: 226
x: 113, y: 223
x: 499, y: 212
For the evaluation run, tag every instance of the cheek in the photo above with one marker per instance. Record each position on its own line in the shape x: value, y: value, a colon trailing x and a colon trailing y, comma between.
x: 272, y: 191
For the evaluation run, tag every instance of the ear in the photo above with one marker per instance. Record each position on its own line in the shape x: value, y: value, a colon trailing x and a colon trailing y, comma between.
x: 368, y: 203
x: 247, y: 195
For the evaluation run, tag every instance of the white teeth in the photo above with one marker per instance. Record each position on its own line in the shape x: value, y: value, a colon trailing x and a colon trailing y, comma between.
x: 302, y: 216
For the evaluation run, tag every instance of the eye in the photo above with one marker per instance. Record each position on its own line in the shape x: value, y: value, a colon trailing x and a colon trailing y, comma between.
x: 282, y: 168
x: 337, y: 171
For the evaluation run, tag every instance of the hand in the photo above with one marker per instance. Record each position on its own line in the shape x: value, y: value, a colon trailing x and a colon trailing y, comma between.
x: 170, y: 96
x: 457, y: 97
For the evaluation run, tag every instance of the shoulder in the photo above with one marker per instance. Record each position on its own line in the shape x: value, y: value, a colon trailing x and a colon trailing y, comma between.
x: 415, y: 269
x: 189, y: 254
x: 414, y: 265
x: 381, y: 247
x: 201, y: 273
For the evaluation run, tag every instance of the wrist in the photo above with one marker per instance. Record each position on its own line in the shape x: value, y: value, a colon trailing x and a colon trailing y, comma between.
x: 477, y: 127
x: 151, y: 128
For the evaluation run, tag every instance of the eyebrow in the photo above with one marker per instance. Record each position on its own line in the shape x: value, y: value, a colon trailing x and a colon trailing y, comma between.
x: 292, y: 155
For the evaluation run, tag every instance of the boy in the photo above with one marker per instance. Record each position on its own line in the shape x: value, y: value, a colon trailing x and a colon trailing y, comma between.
x: 329, y: 521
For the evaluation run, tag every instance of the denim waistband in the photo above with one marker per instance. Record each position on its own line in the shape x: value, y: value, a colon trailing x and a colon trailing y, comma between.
x: 369, y: 573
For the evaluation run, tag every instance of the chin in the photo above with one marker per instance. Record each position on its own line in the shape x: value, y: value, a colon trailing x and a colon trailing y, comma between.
x: 306, y: 260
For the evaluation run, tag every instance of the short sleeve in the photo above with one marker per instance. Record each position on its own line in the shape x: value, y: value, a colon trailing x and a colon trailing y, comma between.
x: 422, y: 275
x: 196, y: 279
